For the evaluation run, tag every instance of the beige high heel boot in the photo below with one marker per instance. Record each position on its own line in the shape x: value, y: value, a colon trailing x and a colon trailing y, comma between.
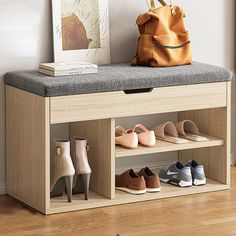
x: 64, y: 170
x: 82, y: 168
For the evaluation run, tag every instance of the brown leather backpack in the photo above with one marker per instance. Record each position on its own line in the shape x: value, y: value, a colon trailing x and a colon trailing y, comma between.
x: 164, y: 40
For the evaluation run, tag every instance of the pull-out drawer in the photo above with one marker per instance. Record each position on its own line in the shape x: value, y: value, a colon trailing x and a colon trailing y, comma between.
x: 123, y: 104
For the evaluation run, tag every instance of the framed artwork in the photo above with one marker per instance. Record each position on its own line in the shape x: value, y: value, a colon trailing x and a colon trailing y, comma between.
x: 81, y: 31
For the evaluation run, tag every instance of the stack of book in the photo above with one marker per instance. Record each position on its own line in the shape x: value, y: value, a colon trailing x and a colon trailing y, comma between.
x: 67, y: 68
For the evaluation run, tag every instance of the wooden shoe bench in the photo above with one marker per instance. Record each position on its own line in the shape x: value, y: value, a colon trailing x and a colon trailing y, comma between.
x: 30, y: 112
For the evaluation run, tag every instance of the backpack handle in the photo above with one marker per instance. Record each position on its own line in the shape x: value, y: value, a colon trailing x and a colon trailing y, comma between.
x: 152, y: 4
x: 163, y: 3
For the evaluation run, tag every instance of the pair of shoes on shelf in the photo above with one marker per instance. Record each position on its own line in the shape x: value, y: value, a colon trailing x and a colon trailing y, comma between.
x: 69, y: 168
x: 132, y: 137
x: 138, y: 183
x: 183, y: 175
x: 179, y: 133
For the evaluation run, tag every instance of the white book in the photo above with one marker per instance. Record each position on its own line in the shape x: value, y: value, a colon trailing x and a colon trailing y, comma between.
x: 68, y: 72
x: 67, y: 66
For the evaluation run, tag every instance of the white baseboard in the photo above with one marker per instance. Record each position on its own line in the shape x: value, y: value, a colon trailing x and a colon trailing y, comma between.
x: 2, y: 188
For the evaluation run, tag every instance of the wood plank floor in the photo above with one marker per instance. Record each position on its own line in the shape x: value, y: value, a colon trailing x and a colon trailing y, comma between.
x: 204, y: 214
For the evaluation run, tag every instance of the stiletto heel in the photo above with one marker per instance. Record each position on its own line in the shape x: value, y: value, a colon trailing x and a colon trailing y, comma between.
x: 69, y: 186
x: 86, y: 180
x: 64, y: 170
x: 57, y: 189
x: 80, y: 160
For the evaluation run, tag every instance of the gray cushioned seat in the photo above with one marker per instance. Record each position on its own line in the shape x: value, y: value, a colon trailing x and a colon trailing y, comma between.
x: 117, y: 77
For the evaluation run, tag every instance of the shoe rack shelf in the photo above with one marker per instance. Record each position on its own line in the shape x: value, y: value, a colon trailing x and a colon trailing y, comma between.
x: 162, y: 146
x: 59, y: 204
x: 28, y: 123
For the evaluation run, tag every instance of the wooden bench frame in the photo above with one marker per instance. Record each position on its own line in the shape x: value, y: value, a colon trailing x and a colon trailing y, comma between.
x: 28, y: 121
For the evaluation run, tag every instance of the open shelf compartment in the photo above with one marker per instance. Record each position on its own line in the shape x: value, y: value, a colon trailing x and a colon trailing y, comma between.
x: 59, y: 204
x: 103, y: 152
x: 93, y: 116
x: 162, y: 146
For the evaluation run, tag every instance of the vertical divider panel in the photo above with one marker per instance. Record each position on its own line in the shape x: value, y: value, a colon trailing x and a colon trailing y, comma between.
x: 217, y: 123
x: 101, y: 139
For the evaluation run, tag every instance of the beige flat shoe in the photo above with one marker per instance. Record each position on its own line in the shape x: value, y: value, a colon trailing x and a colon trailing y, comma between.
x: 125, y: 139
x: 189, y: 130
x: 167, y: 132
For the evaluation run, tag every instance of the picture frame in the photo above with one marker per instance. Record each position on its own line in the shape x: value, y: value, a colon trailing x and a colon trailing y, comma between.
x: 81, y: 31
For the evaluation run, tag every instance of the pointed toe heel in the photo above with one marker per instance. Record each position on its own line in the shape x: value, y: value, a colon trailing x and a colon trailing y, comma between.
x: 57, y: 189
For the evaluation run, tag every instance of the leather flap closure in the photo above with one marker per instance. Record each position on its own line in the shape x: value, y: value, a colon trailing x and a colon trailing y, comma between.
x: 142, y: 19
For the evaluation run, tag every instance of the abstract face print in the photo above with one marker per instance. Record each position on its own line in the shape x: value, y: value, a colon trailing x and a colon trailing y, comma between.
x: 80, y: 24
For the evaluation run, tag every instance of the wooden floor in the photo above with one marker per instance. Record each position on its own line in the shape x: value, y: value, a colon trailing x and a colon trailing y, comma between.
x: 204, y: 214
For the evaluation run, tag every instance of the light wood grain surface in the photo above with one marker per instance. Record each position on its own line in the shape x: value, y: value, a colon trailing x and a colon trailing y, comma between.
x: 28, y: 130
x: 162, y: 146
x: 119, y: 104
x: 59, y: 204
x: 101, y: 155
x: 27, y: 148
x: 215, y: 122
x: 210, y: 214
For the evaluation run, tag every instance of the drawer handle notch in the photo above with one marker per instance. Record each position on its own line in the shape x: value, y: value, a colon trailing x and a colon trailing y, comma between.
x: 133, y: 91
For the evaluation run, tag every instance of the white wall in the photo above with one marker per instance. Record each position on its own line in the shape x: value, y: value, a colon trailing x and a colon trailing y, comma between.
x: 25, y: 38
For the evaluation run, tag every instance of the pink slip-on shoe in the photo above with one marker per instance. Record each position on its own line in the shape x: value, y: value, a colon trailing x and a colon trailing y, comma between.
x: 145, y: 137
x: 125, y: 139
